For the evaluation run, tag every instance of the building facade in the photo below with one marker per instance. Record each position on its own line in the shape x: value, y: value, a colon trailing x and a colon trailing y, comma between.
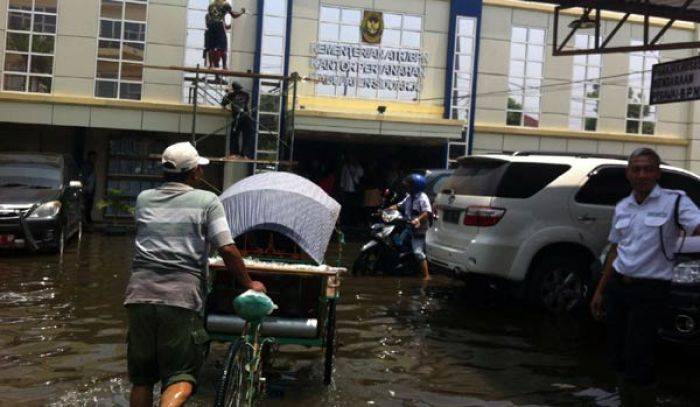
x: 419, y: 82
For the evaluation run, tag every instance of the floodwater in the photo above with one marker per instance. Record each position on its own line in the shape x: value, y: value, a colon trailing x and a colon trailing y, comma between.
x: 402, y: 343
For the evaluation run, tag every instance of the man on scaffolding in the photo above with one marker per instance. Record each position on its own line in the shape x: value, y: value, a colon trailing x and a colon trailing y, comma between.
x: 215, y: 41
x: 241, y: 136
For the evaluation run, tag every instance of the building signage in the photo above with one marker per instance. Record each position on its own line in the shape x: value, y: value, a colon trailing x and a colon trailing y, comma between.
x: 370, y: 67
x: 675, y: 81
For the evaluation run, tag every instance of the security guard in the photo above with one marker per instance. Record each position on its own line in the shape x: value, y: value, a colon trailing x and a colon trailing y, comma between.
x: 638, y: 271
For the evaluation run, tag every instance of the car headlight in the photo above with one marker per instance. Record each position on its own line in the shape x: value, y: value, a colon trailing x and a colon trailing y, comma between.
x: 687, y: 272
x: 46, y: 210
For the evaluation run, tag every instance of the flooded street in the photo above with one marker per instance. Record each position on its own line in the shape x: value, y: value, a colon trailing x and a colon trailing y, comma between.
x: 402, y: 343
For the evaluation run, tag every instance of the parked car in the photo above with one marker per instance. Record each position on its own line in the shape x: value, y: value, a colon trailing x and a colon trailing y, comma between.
x: 535, y: 219
x: 40, y: 201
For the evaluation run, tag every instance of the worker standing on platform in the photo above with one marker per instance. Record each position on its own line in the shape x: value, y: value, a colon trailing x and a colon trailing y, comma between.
x: 215, y: 41
x: 241, y: 135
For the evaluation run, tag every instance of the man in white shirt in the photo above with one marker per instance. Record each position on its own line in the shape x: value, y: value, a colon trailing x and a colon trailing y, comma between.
x: 637, y: 274
x: 350, y: 175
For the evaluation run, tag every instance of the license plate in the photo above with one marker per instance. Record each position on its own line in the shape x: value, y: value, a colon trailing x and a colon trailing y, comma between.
x: 451, y: 216
x: 6, y: 240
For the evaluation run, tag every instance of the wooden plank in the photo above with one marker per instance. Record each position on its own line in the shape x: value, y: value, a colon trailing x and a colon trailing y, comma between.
x: 222, y: 72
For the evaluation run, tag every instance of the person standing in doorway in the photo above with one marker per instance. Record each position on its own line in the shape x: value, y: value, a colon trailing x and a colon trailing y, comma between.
x: 633, y: 291
x: 89, y: 180
x: 215, y: 41
x: 351, y: 173
x: 176, y: 225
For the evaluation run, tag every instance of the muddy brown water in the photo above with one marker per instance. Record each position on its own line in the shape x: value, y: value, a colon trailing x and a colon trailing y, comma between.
x: 402, y: 343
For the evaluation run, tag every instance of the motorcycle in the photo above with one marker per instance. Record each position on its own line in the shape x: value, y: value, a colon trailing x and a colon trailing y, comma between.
x: 389, y: 249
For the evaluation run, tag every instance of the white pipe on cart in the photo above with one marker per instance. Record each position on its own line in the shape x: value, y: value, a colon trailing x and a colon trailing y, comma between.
x: 271, y: 326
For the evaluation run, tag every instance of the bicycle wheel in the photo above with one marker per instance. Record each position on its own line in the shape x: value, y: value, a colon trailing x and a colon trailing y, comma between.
x: 230, y: 392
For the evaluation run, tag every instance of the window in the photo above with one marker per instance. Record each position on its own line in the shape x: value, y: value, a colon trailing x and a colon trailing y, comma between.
x: 29, y: 46
x: 463, y: 66
x: 641, y: 117
x: 476, y: 177
x: 120, y: 49
x: 606, y: 186
x: 525, y: 76
x: 686, y: 183
x: 523, y: 180
x: 342, y: 26
x: 585, y: 90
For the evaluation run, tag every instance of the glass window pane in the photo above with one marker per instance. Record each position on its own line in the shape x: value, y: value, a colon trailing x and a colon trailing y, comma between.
x: 16, y: 62
x: 18, y: 42
x: 135, y: 12
x: 108, y: 49
x: 594, y: 60
x: 579, y: 73
x: 518, y: 34
x: 194, y: 39
x: 132, y: 72
x: 634, y: 111
x: 43, y: 43
x: 581, y: 41
x: 575, y: 123
x: 110, y: 29
x: 19, y: 21
x: 274, y: 26
x: 579, y: 60
x: 351, y: 17
x: 349, y: 34
x: 465, y: 45
x: 132, y: 51
x: 45, y: 6
x: 517, y: 69
x: 111, y: 9
x: 590, y: 108
x: 593, y: 73
x: 392, y: 20
x: 412, y: 23
x: 330, y: 14
x: 275, y: 7
x: 42, y: 64
x: 410, y: 39
x: 273, y: 45
x: 515, y: 101
x: 328, y: 32
x: 632, y: 126
x: 517, y: 51
x: 535, y: 53
x: 130, y: 91
x: 196, y: 19
x: 107, y: 69
x: 21, y: 5
x: 513, y: 118
x: 465, y: 26
x: 44, y: 23
x: 536, y: 36
x: 40, y: 84
x: 271, y: 64
x: 532, y: 104
x: 533, y: 85
x: 463, y: 63
x: 534, y: 69
x: 17, y: 83
x: 105, y: 89
x: 531, y: 120
x: 135, y: 31
x: 391, y: 38
x: 648, y: 127
x: 590, y: 124
x: 636, y: 63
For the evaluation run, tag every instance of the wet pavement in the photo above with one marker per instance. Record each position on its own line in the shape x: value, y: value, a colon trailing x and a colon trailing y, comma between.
x: 402, y: 343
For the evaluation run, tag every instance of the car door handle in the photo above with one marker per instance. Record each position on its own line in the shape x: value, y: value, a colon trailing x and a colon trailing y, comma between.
x: 586, y: 218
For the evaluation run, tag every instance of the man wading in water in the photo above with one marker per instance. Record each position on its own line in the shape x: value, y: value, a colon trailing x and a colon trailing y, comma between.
x: 176, y: 225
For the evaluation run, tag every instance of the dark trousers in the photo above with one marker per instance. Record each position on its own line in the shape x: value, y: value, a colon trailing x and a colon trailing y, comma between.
x: 242, y: 136
x: 89, y: 201
x: 634, y: 311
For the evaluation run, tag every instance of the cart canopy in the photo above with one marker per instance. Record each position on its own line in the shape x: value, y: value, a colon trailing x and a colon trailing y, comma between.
x: 285, y: 203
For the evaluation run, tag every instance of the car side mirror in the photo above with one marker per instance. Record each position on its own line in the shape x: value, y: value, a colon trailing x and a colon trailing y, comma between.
x: 75, y: 185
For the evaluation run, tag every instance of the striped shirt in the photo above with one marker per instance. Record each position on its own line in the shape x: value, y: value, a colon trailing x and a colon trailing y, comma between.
x: 176, y: 227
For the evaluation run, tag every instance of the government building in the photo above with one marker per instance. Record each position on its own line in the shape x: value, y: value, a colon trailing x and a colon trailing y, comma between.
x: 413, y: 83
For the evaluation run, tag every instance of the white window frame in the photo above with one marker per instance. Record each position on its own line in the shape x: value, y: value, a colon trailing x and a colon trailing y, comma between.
x: 29, y: 53
x: 119, y: 81
x: 581, y: 97
x: 460, y: 105
x: 649, y: 58
x: 354, y: 92
x: 527, y: 87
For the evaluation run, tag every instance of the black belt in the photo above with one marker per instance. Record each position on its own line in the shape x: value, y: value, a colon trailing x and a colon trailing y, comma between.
x: 627, y: 280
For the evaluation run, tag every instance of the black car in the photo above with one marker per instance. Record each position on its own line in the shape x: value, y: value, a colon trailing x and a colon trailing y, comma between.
x: 40, y: 201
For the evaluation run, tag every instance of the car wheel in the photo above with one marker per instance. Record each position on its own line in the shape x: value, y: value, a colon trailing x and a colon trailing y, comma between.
x: 560, y: 284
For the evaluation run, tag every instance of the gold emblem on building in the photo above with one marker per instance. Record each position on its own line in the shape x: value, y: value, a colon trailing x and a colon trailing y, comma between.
x: 372, y: 27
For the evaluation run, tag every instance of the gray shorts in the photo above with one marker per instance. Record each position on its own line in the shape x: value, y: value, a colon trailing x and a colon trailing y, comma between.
x: 418, y: 246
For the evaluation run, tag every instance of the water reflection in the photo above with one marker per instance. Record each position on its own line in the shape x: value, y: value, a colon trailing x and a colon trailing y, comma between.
x: 402, y: 343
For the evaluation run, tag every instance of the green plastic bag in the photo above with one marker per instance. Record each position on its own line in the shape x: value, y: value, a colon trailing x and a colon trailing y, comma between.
x: 253, y: 305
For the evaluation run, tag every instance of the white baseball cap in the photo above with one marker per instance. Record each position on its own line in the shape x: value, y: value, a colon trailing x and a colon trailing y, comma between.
x: 181, y: 157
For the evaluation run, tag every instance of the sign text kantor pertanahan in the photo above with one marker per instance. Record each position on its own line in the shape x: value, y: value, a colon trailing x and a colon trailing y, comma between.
x: 675, y: 81
x: 370, y: 67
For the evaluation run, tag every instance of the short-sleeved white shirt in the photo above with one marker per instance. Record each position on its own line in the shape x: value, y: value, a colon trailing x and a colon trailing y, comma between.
x: 635, y: 230
x: 413, y: 205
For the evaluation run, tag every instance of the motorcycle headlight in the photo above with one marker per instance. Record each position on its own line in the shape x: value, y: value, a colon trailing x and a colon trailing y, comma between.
x: 46, y: 210
x: 687, y: 272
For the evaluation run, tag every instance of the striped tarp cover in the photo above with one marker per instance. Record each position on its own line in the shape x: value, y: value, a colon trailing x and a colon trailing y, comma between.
x: 285, y: 203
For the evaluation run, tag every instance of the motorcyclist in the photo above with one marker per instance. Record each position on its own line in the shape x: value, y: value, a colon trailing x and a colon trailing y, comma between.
x: 416, y: 208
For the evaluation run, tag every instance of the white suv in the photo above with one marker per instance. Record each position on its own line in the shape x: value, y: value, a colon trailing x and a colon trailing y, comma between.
x: 535, y: 218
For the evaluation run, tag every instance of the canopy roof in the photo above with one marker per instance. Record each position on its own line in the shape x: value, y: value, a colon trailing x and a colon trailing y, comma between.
x: 688, y: 10
x: 286, y: 203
